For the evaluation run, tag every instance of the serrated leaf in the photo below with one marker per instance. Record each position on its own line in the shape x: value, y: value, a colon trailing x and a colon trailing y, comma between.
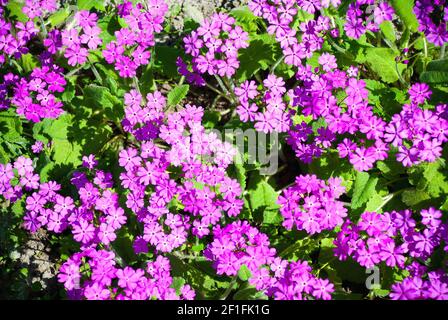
x: 390, y: 168
x: 177, y: 284
x: 272, y: 217
x: 258, y: 56
x: 89, y: 4
x: 438, y: 65
x: 261, y: 194
x: 245, y: 17
x: 99, y: 97
x: 29, y: 62
x: 165, y: 60
x: 434, y: 77
x: 382, y: 62
x: 244, y: 273
x: 177, y: 94
x: 65, y: 152
x: 388, y: 29
x: 414, y: 197
x: 430, y: 177
x: 363, y: 189
x: 243, y: 14
x: 249, y: 293
x: 405, y: 10
x: 59, y: 17
x: 15, y: 7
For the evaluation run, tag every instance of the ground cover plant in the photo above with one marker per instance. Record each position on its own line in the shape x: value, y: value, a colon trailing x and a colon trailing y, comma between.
x: 278, y: 149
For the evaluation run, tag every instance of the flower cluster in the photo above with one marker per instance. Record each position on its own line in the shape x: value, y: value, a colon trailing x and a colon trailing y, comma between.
x: 14, y: 37
x: 37, y: 8
x: 398, y: 240
x: 434, y: 28
x: 311, y: 204
x: 360, y: 18
x: 80, y: 36
x: 281, y: 16
x: 415, y: 288
x: 275, y: 117
x: 16, y: 177
x: 418, y: 133
x: 317, y: 98
x: 214, y: 48
x: 179, y: 179
x: 131, y: 48
x: 239, y: 244
x: 95, y: 220
x: 94, y: 275
x: 34, y: 96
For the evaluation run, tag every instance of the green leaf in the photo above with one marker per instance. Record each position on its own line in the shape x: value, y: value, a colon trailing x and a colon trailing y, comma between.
x: 108, y: 24
x: 29, y: 62
x: 434, y: 77
x: 444, y: 206
x: 177, y: 94
x: 243, y: 14
x: 100, y: 98
x: 249, y: 293
x: 198, y: 247
x: 374, y: 203
x: 239, y: 172
x: 261, y: 194
x: 363, y: 189
x: 165, y: 60
x: 405, y: 10
x: 414, y: 197
x: 272, y: 217
x: 438, y: 65
x: 260, y: 55
x: 15, y: 7
x: 89, y: 4
x: 430, y: 177
x: 4, y: 158
x: 244, y: 273
x: 382, y: 62
x: 245, y: 18
x: 59, y: 17
x: 65, y: 152
x: 388, y: 29
x: 390, y: 169
x: 177, y: 284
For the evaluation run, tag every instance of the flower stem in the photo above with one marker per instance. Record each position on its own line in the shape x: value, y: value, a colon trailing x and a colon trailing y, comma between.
x: 229, y: 288
x: 292, y: 247
x: 220, y: 93
x: 188, y: 257
x: 95, y: 71
x: 277, y: 63
x: 442, y: 51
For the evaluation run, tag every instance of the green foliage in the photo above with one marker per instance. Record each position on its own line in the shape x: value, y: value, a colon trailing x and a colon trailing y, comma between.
x: 261, y: 194
x: 382, y: 62
x: 244, y: 273
x: 260, y: 55
x: 404, y: 9
x: 90, y: 4
x: 363, y: 189
x: 92, y: 124
x: 177, y: 94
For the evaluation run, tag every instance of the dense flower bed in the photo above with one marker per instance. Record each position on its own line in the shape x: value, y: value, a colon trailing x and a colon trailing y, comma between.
x: 121, y: 143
